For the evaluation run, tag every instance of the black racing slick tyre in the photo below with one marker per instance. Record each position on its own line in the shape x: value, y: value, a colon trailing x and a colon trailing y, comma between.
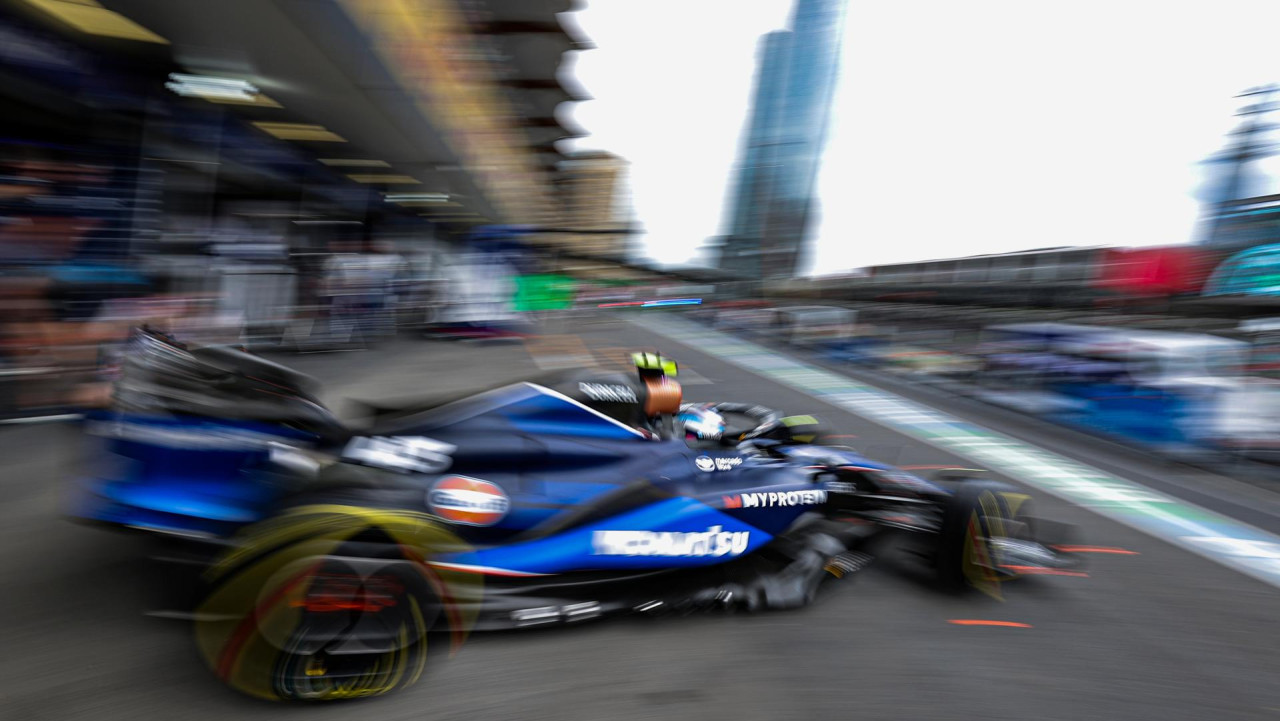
x: 329, y: 602
x: 974, y: 518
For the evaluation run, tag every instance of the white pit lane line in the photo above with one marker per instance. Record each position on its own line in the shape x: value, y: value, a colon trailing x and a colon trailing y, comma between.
x: 1211, y: 535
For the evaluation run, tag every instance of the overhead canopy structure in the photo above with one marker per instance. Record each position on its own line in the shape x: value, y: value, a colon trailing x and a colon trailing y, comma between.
x: 333, y: 110
x: 453, y: 101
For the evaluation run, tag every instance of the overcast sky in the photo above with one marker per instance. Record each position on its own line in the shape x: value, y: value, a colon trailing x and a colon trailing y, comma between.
x: 958, y: 127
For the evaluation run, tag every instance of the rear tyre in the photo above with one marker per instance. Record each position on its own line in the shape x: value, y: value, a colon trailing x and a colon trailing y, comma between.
x: 328, y: 603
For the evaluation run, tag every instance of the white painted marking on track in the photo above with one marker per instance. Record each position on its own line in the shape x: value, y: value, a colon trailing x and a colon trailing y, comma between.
x: 1223, y: 540
x: 27, y: 420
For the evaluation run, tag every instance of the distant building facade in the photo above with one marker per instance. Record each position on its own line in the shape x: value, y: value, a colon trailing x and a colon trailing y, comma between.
x: 595, y: 195
x: 1242, y: 223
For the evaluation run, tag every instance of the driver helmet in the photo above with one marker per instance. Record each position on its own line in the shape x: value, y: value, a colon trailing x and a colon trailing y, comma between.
x: 700, y: 423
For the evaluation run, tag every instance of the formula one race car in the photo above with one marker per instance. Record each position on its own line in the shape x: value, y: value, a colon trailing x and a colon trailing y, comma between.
x: 531, y: 504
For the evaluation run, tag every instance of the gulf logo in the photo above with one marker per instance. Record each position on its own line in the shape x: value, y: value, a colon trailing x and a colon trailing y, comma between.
x: 468, y: 501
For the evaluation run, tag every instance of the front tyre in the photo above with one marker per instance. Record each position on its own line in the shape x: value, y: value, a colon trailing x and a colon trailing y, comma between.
x: 976, y: 519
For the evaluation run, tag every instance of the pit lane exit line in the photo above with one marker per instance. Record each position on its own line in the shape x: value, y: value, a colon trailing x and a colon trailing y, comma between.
x: 1210, y: 535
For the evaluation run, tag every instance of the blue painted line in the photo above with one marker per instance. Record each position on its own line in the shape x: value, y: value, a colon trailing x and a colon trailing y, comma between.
x: 1205, y: 533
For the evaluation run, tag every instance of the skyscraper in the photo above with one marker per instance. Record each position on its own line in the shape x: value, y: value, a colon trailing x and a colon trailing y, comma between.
x: 1232, y: 217
x: 773, y: 203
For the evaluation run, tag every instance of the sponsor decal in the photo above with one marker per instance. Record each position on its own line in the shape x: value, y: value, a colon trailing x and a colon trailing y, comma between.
x: 712, y: 542
x: 707, y: 463
x: 772, y: 500
x: 608, y: 392
x: 407, y: 454
x: 468, y: 501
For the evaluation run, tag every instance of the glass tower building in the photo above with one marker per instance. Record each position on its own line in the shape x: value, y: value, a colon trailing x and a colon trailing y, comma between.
x: 769, y: 215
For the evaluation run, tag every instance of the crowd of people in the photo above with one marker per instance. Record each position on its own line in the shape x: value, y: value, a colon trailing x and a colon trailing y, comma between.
x: 81, y: 265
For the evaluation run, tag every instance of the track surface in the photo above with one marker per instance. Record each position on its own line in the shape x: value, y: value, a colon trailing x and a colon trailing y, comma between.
x: 1160, y: 635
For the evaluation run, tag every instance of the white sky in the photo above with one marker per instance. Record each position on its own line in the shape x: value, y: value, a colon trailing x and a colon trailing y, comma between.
x: 958, y: 127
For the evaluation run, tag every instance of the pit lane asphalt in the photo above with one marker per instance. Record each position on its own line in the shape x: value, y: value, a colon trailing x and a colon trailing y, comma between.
x: 1160, y: 635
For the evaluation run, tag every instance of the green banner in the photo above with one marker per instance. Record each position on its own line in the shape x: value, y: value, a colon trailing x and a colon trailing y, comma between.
x: 544, y: 292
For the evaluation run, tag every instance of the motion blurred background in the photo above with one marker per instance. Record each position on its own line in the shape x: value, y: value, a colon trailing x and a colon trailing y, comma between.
x: 1050, y: 212
x: 317, y: 176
